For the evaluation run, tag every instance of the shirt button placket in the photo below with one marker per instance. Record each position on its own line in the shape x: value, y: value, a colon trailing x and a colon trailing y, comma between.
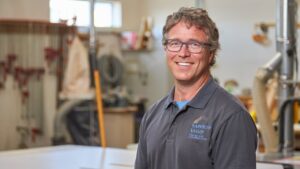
x: 173, y: 124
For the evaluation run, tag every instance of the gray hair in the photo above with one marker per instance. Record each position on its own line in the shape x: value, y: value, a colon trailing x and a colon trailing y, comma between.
x: 194, y: 17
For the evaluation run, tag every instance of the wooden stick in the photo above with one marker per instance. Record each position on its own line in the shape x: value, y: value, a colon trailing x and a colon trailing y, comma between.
x: 100, y: 108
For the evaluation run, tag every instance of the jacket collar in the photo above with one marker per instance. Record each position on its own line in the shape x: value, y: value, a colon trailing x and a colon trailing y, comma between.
x: 200, y: 99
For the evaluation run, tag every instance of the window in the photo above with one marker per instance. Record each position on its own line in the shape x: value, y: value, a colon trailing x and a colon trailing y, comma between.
x: 106, y: 13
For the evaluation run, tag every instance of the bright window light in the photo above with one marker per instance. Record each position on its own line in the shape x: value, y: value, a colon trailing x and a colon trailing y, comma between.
x: 103, y: 12
x: 106, y: 13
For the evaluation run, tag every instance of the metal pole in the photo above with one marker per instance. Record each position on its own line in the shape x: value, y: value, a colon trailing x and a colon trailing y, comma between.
x: 92, y: 43
x: 286, y: 45
x: 96, y: 77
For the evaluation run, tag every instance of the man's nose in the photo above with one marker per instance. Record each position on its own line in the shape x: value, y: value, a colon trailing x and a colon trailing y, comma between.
x: 184, y: 51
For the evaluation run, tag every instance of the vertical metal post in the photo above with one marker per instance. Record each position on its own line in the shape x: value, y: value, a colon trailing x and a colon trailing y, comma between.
x: 92, y: 43
x: 286, y: 45
x: 96, y: 76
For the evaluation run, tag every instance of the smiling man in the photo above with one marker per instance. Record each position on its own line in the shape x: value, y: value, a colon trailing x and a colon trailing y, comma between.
x: 198, y: 125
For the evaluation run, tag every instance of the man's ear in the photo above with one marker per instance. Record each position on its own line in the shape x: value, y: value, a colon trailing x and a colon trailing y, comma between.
x: 211, y: 57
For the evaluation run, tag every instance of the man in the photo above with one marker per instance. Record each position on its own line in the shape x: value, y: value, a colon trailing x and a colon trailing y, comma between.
x: 198, y: 125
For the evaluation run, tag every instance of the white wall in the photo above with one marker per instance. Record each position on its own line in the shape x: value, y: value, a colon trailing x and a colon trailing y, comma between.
x: 24, y: 9
x: 131, y: 10
x: 240, y: 56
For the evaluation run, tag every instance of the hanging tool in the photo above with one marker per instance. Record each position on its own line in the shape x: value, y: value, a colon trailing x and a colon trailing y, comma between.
x: 96, y: 76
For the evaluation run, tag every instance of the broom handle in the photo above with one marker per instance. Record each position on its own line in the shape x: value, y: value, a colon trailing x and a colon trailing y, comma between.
x: 100, y: 108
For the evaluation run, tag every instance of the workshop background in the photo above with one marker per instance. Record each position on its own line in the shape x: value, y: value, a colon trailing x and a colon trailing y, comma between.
x: 45, y: 93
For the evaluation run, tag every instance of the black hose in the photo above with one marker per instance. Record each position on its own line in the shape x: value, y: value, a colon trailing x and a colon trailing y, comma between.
x: 111, y: 69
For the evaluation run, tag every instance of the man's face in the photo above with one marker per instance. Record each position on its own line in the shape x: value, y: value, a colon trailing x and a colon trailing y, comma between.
x: 185, y: 66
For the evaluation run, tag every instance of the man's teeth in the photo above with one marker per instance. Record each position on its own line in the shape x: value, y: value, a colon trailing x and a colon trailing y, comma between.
x: 183, y: 64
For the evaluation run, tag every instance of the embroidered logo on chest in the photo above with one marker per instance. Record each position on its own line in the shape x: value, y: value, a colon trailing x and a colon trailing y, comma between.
x: 199, y: 130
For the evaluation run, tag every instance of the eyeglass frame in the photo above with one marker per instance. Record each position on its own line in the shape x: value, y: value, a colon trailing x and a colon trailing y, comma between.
x: 201, y: 44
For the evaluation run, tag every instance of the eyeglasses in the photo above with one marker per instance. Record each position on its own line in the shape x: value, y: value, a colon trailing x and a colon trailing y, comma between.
x: 193, y: 46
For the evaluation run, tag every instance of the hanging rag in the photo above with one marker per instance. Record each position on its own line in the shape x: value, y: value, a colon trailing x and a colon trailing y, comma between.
x: 77, y: 74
